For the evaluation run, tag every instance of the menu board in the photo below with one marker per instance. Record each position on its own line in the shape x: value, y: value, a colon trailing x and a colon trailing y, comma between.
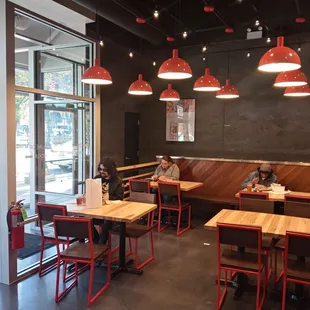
x: 180, y: 120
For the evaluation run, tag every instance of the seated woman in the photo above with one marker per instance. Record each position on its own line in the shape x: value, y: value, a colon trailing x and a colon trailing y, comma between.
x: 112, y: 189
x: 167, y: 170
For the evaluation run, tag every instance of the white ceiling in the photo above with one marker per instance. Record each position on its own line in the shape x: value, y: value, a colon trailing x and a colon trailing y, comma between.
x: 56, y: 12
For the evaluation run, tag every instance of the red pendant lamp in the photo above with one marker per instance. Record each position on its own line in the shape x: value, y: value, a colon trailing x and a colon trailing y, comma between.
x: 207, y: 82
x: 140, y: 87
x: 169, y: 94
x: 175, y: 68
x: 97, y: 75
x: 279, y: 59
x: 291, y: 78
x: 227, y: 91
x: 298, y: 91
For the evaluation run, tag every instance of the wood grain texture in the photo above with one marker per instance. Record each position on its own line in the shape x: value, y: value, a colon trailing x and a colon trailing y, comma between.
x: 273, y: 225
x: 124, y: 211
x: 280, y: 197
x: 185, y: 186
x: 138, y: 166
x: 221, y: 180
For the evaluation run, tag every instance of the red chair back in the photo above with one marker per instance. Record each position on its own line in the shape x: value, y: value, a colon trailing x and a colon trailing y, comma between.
x: 297, y: 244
x: 46, y: 213
x: 169, y: 189
x: 74, y: 227
x: 298, y: 206
x: 241, y: 236
x: 255, y: 202
x: 142, y: 186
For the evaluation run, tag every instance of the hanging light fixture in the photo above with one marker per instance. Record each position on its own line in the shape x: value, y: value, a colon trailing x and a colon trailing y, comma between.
x: 175, y: 68
x: 169, y: 94
x: 227, y: 91
x: 140, y: 87
x: 207, y: 82
x: 279, y: 59
x: 96, y: 75
x: 291, y: 78
x: 298, y: 91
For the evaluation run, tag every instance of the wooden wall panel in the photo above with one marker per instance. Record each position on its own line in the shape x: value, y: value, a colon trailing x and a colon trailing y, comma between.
x: 222, y: 179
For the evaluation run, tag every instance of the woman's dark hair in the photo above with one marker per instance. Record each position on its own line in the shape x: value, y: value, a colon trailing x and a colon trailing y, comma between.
x: 109, y: 165
x: 168, y: 159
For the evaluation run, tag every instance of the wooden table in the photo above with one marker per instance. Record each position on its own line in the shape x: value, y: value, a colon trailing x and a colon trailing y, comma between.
x: 273, y: 225
x: 279, y: 197
x: 185, y: 186
x: 123, y: 212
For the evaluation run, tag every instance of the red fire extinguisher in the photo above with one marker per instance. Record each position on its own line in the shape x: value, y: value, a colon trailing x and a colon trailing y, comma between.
x: 16, y: 225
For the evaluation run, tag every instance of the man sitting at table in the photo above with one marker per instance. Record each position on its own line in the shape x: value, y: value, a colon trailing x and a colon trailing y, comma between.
x: 112, y: 189
x: 262, y: 178
x: 167, y: 170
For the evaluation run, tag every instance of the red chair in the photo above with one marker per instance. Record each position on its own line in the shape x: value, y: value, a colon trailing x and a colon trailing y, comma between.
x: 46, y: 212
x: 142, y: 186
x: 78, y: 252
x: 172, y: 189
x: 243, y: 262
x: 294, y: 205
x: 296, y: 270
x: 249, y: 200
x: 136, y: 231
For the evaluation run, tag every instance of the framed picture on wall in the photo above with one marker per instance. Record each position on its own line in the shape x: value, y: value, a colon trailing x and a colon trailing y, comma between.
x: 180, y: 120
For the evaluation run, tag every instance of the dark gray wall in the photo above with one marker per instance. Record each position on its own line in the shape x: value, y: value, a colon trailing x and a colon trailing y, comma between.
x: 261, y: 124
x: 115, y: 100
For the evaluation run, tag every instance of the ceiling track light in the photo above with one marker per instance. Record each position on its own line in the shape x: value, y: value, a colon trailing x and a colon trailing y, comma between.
x: 156, y: 14
x: 154, y: 63
x: 257, y: 22
x: 184, y: 34
x: 268, y: 40
x: 248, y: 54
x: 204, y: 48
x: 130, y: 54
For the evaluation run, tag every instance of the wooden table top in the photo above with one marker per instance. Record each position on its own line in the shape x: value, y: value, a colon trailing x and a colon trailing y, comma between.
x: 279, y: 197
x: 185, y: 186
x: 125, y: 211
x: 273, y: 225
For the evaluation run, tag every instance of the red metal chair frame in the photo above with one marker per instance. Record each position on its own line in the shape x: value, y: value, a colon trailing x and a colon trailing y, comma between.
x: 150, y: 223
x: 285, y: 279
x: 140, y: 181
x: 278, y: 278
x: 220, y: 298
x: 44, y: 239
x: 243, y: 193
x: 179, y: 209
x: 91, y: 262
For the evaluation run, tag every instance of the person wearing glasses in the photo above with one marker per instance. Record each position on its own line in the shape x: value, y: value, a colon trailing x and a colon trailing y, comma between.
x: 112, y: 189
x: 262, y: 178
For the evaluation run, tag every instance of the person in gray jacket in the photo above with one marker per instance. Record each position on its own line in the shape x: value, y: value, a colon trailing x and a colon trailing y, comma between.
x: 261, y: 178
x: 167, y: 170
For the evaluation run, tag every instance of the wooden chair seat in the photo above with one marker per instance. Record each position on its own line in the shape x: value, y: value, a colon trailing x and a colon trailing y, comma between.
x: 298, y: 270
x: 82, y: 251
x: 136, y: 230
x: 245, y: 261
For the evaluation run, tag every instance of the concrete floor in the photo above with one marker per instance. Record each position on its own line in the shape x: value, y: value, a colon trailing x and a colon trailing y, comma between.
x: 180, y: 278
